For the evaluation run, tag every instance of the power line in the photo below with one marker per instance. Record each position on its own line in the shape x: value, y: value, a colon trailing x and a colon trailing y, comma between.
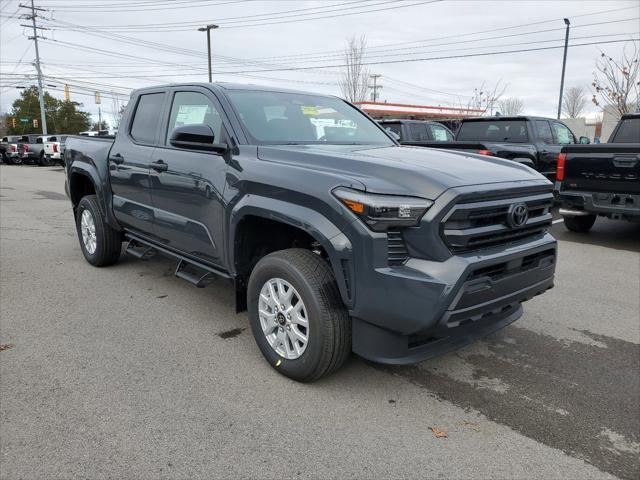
x: 457, y: 35
x: 173, y: 28
x: 379, y: 62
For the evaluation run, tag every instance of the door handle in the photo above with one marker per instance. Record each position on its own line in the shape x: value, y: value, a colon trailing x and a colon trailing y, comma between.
x: 159, y: 166
x: 117, y: 159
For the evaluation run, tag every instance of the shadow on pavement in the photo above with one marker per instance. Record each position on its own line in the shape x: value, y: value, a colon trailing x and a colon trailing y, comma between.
x: 619, y: 234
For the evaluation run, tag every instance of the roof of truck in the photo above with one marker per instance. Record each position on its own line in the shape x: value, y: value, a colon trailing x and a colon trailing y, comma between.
x: 504, y: 117
x: 231, y: 86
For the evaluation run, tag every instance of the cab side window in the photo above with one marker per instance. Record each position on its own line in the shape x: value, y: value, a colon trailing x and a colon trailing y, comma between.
x: 418, y: 132
x: 544, y: 131
x: 147, y: 118
x: 562, y: 134
x: 194, y: 108
x: 441, y: 134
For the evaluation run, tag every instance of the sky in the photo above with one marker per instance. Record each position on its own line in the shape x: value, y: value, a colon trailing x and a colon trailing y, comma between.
x: 118, y: 45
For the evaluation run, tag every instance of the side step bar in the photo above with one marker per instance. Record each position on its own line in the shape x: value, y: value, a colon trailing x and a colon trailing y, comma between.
x: 190, y: 270
x: 190, y: 273
x: 143, y: 252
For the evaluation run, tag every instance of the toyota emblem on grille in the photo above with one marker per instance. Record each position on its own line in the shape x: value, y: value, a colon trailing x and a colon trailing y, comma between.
x: 518, y: 215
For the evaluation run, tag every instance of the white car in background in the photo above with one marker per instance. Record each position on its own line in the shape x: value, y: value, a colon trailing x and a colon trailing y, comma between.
x: 53, y: 149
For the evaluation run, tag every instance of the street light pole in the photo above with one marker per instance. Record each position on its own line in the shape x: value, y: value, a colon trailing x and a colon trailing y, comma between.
x: 208, y: 29
x: 564, y: 65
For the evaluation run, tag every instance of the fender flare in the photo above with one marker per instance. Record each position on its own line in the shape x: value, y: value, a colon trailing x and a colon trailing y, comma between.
x: 89, y: 171
x: 335, y: 243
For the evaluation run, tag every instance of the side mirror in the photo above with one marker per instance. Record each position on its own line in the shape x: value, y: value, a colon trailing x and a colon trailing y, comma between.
x: 197, y: 136
x: 584, y: 140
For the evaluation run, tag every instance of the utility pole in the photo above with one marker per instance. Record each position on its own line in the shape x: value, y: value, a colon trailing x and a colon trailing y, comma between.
x: 564, y: 65
x: 375, y: 87
x: 35, y: 37
x: 208, y: 29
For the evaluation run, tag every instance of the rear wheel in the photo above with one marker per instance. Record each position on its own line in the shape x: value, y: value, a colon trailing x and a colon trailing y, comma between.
x: 297, y: 316
x: 100, y: 243
x: 16, y: 160
x: 581, y: 224
x: 44, y: 160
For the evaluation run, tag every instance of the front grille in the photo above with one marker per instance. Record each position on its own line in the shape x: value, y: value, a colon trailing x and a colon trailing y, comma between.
x: 479, y: 224
x: 501, y: 270
x: 397, y: 252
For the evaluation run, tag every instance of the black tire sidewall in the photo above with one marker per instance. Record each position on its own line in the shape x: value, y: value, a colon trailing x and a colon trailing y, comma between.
x: 89, y: 203
x: 303, y: 367
x: 580, y: 224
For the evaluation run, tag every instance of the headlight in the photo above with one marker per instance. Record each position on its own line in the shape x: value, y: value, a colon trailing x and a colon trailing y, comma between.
x: 381, y: 212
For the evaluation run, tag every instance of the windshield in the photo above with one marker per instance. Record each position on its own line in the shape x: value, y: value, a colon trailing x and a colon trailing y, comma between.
x: 278, y: 118
x: 509, y: 131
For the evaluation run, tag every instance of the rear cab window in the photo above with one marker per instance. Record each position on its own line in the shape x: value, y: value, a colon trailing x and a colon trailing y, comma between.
x: 147, y: 117
x: 628, y: 131
x: 499, y: 131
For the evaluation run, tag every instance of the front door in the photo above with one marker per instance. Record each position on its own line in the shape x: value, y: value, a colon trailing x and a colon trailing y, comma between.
x: 548, y: 149
x: 187, y: 185
x: 129, y: 165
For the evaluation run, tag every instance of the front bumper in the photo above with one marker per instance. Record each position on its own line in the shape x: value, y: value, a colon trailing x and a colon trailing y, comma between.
x: 613, y: 205
x: 425, y: 308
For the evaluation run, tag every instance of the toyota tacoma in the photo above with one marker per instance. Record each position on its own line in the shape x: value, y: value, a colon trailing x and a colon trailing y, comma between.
x: 336, y: 238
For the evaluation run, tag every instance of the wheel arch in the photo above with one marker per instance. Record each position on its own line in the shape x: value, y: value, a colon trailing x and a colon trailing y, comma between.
x: 84, y: 181
x: 325, y: 236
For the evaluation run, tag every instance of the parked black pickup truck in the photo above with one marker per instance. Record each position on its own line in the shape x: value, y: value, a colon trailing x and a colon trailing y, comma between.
x: 417, y: 130
x: 532, y: 141
x: 601, y: 180
x: 336, y: 238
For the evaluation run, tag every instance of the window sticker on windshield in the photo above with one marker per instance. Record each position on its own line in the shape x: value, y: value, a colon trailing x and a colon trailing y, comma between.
x: 309, y: 110
x: 188, y: 114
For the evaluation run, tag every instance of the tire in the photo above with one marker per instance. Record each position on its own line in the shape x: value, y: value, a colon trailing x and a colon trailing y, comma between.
x: 16, y: 160
x: 108, y: 242
x: 328, y: 328
x: 44, y: 161
x: 581, y: 224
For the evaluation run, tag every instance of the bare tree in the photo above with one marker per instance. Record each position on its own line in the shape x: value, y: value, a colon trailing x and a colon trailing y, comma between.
x: 355, y: 78
x: 511, y: 106
x: 616, y: 82
x: 574, y: 102
x: 485, y: 98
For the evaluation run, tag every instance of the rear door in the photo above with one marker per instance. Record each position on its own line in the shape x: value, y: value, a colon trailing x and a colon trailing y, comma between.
x: 187, y: 185
x: 129, y: 163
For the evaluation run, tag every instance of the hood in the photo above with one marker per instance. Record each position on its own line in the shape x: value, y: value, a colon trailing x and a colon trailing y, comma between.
x: 424, y: 172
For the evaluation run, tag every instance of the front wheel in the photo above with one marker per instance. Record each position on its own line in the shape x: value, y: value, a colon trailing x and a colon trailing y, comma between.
x: 100, y: 243
x: 581, y: 224
x: 297, y: 316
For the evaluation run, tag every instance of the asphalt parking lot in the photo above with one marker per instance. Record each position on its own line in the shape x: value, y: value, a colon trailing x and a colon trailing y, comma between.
x: 129, y: 372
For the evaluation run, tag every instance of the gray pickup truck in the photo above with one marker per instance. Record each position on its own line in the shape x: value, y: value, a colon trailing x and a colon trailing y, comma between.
x: 336, y: 238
